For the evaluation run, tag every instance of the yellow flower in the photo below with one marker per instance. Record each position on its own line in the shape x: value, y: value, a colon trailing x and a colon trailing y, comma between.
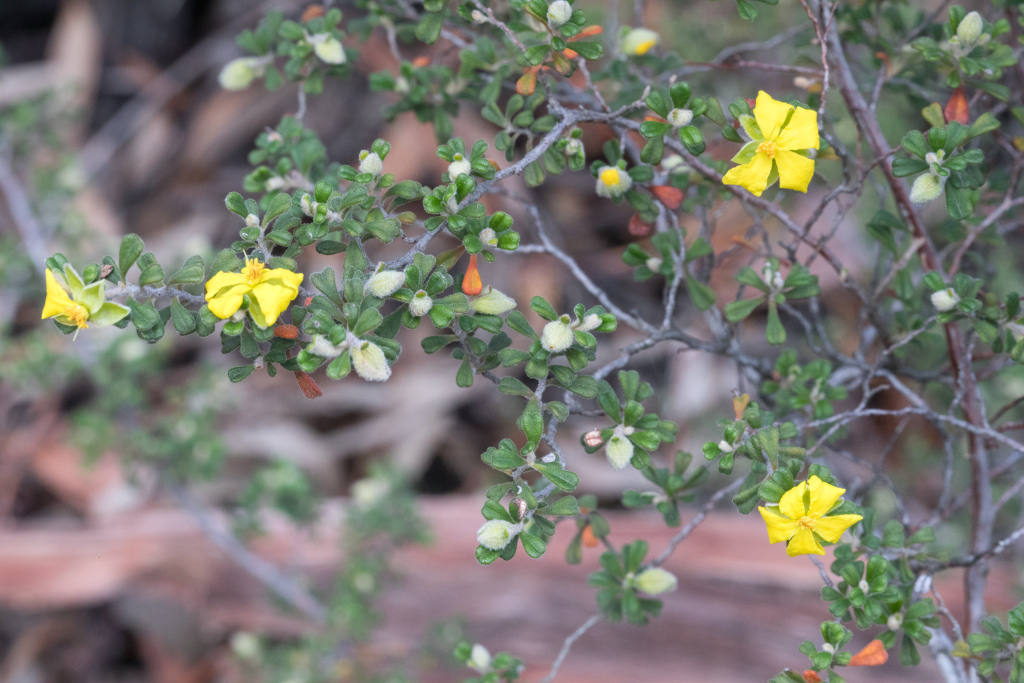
x: 800, y: 518
x: 781, y: 134
x: 639, y: 41
x: 269, y: 291
x: 612, y: 182
x: 84, y: 305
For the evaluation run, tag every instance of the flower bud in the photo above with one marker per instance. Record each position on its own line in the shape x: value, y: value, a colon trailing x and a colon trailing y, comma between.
x: 894, y: 622
x: 384, y: 283
x: 307, y: 204
x: 370, y: 162
x: 557, y: 335
x: 619, y: 450
x: 328, y: 48
x: 479, y: 657
x: 680, y: 117
x: 420, y: 304
x: 246, y: 646
x: 366, y: 493
x: 656, y: 581
x: 612, y: 182
x: 653, y: 263
x: 369, y: 361
x: 945, y: 300
x: 927, y: 187
x: 969, y: 29
x: 593, y: 438
x: 492, y: 302
x: 573, y: 147
x: 639, y: 40
x: 477, y: 16
x: 488, y: 237
x: 829, y: 648
x: 589, y: 322
x: 496, y: 533
x: 558, y: 13
x: 459, y: 166
x: 237, y: 74
x: 321, y: 346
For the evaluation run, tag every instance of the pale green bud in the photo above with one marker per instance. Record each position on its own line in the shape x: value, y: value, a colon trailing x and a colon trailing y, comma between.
x: 369, y: 362
x: 370, y: 162
x: 945, y: 300
x: 557, y: 335
x: 619, y: 449
x: 384, y: 283
x: 488, y: 237
x: 680, y: 117
x: 638, y: 41
x: 589, y: 322
x: 492, y: 302
x: 496, y: 533
x: 368, y: 492
x: 246, y: 646
x: 894, y: 622
x: 969, y: 29
x: 654, y: 263
x: 328, y: 48
x: 558, y: 13
x: 573, y: 147
x: 321, y: 346
x: 655, y: 581
x: 420, y: 304
x: 237, y: 74
x: 479, y: 658
x: 459, y: 166
x: 927, y: 187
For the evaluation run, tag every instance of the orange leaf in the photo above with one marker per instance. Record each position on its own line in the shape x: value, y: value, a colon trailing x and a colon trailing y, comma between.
x: 309, y: 300
x: 669, y: 196
x: 312, y: 12
x: 588, y: 538
x: 286, y: 331
x: 527, y: 83
x: 811, y: 677
x: 873, y: 654
x: 655, y: 118
x: 570, y: 54
x: 308, y: 386
x: 494, y: 164
x: 588, y: 31
x: 739, y: 404
x: 956, y: 110
x: 471, y: 283
x: 422, y: 60
x: 638, y: 228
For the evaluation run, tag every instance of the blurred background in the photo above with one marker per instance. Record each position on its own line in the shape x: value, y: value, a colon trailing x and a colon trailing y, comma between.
x: 112, y: 121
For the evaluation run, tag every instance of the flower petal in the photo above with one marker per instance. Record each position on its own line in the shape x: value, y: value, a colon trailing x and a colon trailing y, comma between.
x: 57, y: 300
x: 792, y: 502
x: 753, y: 175
x: 823, y: 496
x: 832, y: 528
x: 795, y: 171
x: 275, y: 291
x: 224, y: 292
x: 770, y: 114
x: 804, y: 543
x: 801, y: 132
x: 779, y: 528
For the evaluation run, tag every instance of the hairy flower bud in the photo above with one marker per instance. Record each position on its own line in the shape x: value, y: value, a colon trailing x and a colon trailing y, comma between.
x: 680, y: 117
x: 492, y: 302
x: 589, y: 322
x: 488, y: 237
x: 321, y: 346
x: 945, y: 300
x: 420, y: 304
x: 368, y: 492
x: 238, y: 74
x: 496, y: 533
x: 369, y: 362
x: 370, y: 162
x: 557, y: 336
x: 479, y: 657
x: 328, y: 48
x: 558, y: 13
x: 655, y: 581
x: 894, y: 622
x: 459, y: 166
x: 969, y: 29
x: 927, y: 187
x: 619, y: 449
x: 612, y: 182
x: 384, y: 283
x: 638, y: 41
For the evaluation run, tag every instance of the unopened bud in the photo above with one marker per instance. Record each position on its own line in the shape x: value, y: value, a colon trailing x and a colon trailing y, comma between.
x: 927, y: 187
x: 237, y: 74
x: 366, y: 493
x: 655, y: 581
x: 369, y: 362
x: 619, y: 450
x: 321, y: 346
x: 558, y: 13
x: 479, y: 657
x: 589, y: 322
x: 680, y: 117
x: 521, y: 507
x: 557, y: 336
x: 488, y: 237
x: 654, y: 263
x: 492, y: 302
x: 328, y: 48
x: 945, y: 300
x: 459, y: 166
x: 384, y: 283
x: 496, y: 533
x: 370, y: 162
x: 573, y: 147
x: 894, y: 622
x: 252, y: 221
x: 477, y: 16
x: 420, y: 304
x: 593, y: 438
x: 969, y: 29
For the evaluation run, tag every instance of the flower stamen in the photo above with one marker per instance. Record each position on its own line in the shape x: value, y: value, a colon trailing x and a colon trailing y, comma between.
x: 767, y: 148
x: 252, y: 271
x: 78, y: 314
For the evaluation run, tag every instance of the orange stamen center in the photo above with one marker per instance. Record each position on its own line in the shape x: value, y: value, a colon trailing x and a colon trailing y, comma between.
x: 806, y: 522
x: 767, y: 148
x: 78, y: 314
x: 252, y: 271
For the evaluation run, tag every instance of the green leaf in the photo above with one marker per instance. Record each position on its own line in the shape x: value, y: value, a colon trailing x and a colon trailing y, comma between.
x: 533, y: 546
x: 588, y: 50
x: 914, y: 142
x: 241, y: 372
x: 739, y: 310
x: 236, y: 204
x: 326, y: 283
x: 183, y: 320
x: 151, y: 275
x: 702, y: 296
x: 130, y: 251
x: 902, y: 167
x: 464, y: 377
x: 281, y: 202
x: 531, y: 422
x: 958, y: 203
x: 512, y: 386
x: 566, y: 505
x: 191, y: 272
x: 563, y: 479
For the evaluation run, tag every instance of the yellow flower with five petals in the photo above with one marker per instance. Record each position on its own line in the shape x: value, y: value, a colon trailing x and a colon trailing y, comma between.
x: 780, y: 135
x: 84, y: 305
x: 270, y: 291
x: 801, y: 517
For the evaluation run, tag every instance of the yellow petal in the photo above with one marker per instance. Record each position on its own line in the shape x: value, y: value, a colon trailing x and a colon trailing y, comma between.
x: 832, y: 528
x: 57, y: 300
x: 779, y: 528
x: 792, y: 502
x: 224, y: 292
x: 752, y: 175
x: 770, y: 114
x: 795, y: 171
x: 804, y: 543
x: 823, y: 496
x: 275, y: 291
x: 802, y: 131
